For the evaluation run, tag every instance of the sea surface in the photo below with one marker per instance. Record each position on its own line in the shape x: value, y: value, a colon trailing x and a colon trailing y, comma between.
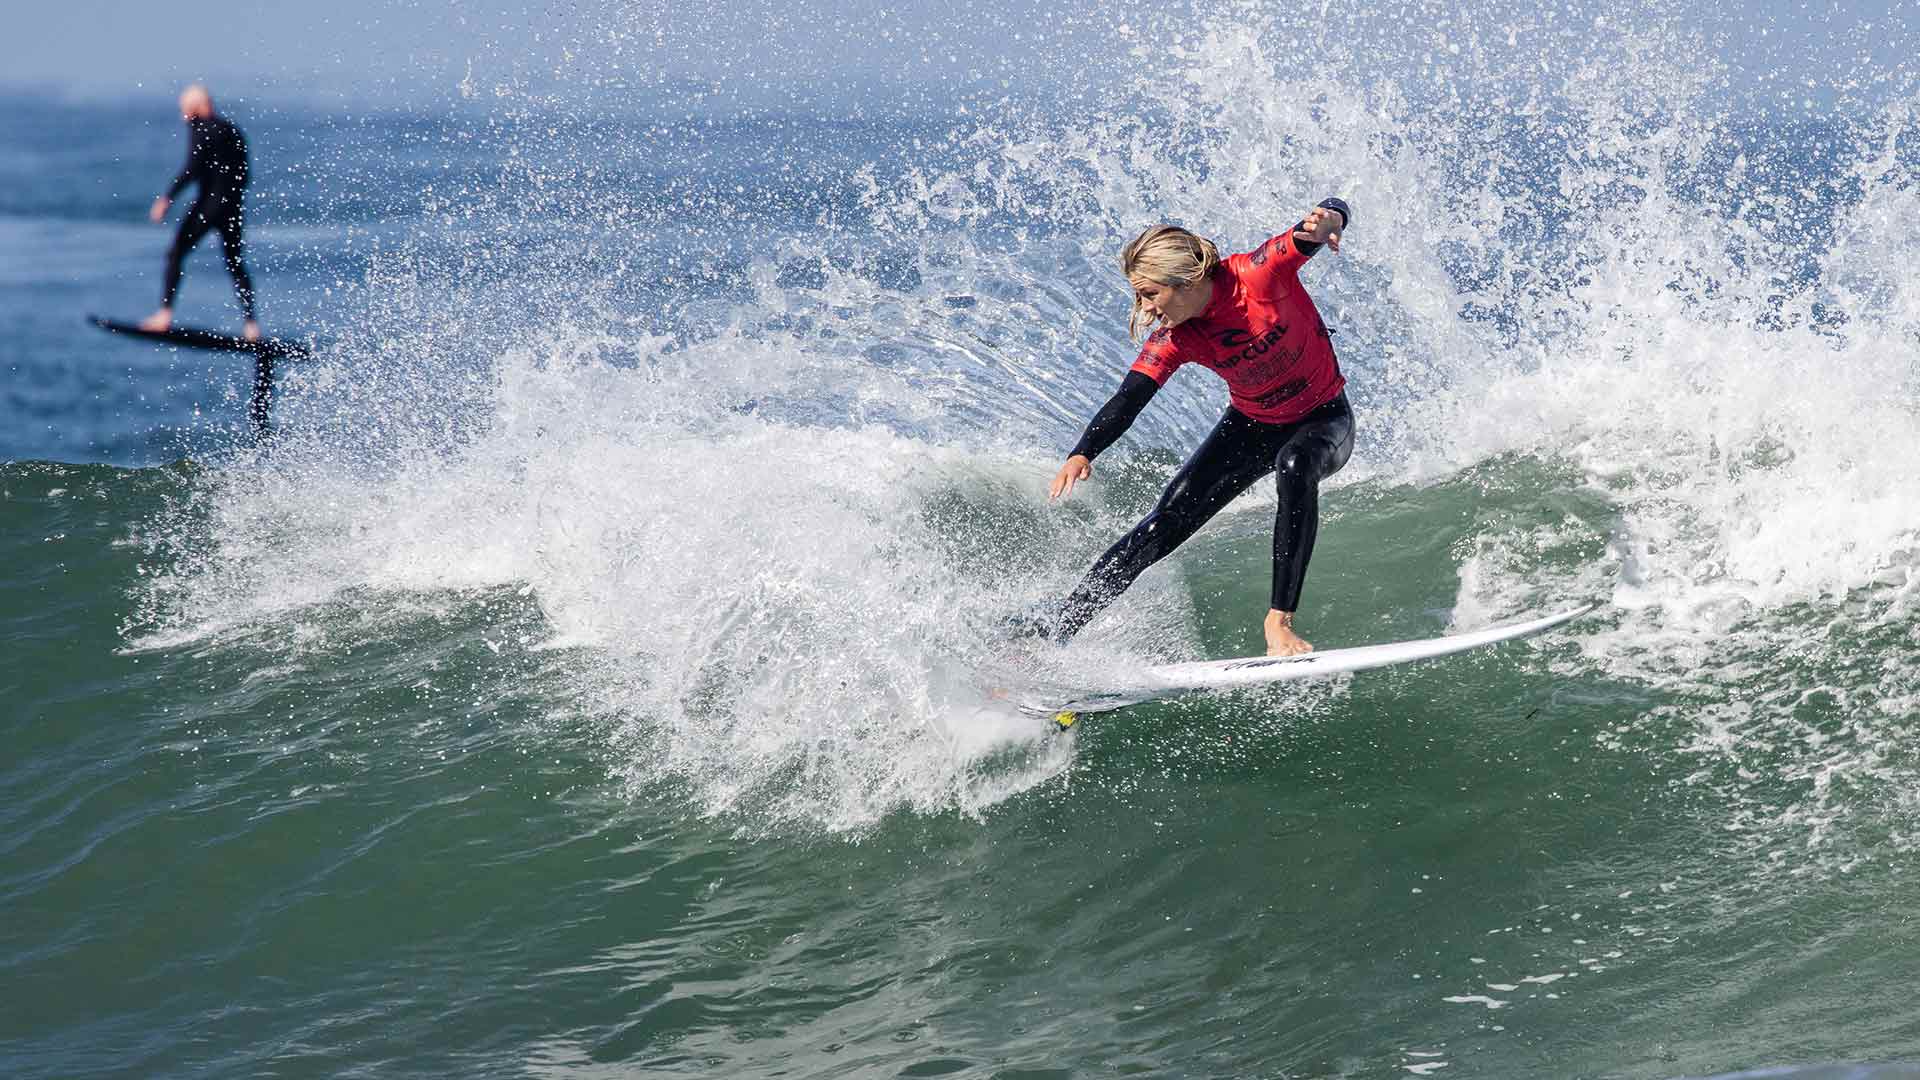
x: 585, y: 679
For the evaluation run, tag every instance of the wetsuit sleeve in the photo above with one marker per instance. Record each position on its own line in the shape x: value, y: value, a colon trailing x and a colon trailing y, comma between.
x: 1117, y: 415
x: 196, y: 152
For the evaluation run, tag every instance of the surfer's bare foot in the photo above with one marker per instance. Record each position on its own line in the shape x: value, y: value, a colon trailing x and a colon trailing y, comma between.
x: 251, y: 331
x: 159, y: 322
x: 1281, y: 640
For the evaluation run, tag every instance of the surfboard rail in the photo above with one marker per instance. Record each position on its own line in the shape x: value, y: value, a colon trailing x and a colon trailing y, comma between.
x: 1170, y: 680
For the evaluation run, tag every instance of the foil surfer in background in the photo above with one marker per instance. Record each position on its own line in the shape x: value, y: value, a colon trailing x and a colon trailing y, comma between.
x: 217, y: 161
x: 1248, y: 319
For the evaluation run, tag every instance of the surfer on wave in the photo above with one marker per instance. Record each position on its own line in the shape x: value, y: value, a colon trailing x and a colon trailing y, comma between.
x: 1248, y: 319
x: 217, y: 161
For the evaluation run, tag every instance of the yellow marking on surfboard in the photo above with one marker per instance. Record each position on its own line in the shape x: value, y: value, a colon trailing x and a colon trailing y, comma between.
x: 1065, y: 718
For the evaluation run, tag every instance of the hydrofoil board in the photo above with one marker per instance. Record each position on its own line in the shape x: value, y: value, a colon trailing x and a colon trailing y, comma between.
x: 195, y: 338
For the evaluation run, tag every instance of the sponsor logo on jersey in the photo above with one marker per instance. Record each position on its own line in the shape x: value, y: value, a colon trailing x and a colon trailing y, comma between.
x: 1248, y: 346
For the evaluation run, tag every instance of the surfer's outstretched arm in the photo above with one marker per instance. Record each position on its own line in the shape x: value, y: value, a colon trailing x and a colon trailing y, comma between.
x: 1111, y: 422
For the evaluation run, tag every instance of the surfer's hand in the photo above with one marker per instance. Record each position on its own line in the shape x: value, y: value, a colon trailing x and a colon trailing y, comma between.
x: 1076, y: 469
x: 1322, y: 226
x: 159, y: 211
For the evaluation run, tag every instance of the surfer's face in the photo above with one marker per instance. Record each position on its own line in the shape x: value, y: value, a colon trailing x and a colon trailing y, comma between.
x: 1171, y: 304
x: 195, y: 103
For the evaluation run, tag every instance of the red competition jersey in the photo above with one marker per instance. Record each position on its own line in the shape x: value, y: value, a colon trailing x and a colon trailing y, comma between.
x: 1260, y: 332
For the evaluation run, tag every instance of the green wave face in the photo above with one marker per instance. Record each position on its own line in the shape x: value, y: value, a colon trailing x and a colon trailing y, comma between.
x: 421, y: 804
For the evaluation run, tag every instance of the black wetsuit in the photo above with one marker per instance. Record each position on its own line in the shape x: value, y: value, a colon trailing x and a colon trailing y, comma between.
x: 217, y: 161
x: 1239, y: 451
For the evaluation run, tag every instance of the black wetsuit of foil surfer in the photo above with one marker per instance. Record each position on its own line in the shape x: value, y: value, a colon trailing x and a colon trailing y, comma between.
x: 1237, y: 453
x: 217, y: 161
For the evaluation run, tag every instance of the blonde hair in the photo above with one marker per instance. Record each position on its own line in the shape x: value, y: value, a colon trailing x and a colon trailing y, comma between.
x: 1169, y: 255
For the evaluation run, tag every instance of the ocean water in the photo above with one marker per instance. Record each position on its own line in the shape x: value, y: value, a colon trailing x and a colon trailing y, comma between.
x: 584, y: 681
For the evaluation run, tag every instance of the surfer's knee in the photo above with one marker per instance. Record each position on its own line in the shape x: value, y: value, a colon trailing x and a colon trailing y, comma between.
x: 1143, y: 542
x: 1307, y: 462
x: 1164, y: 530
x: 1295, y: 467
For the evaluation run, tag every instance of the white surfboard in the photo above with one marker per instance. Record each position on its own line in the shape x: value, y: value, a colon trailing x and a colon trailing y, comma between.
x: 1171, y: 680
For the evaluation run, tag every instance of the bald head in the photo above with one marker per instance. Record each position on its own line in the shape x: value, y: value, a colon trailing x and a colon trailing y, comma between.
x: 196, y: 103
